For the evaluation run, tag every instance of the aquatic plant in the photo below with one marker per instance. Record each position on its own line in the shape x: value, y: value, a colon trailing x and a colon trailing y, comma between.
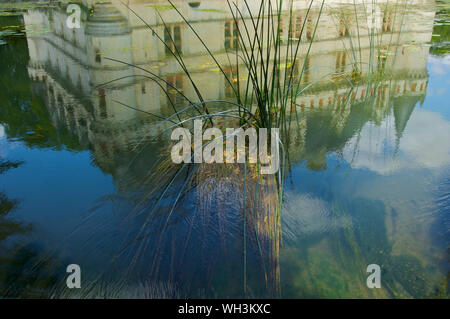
x: 266, y: 82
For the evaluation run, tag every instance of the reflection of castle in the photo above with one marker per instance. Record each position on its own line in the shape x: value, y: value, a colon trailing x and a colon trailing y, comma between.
x: 73, y: 63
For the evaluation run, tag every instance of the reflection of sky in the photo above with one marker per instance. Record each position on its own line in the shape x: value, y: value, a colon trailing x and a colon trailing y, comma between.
x: 316, y: 216
x: 54, y: 188
x: 367, y: 169
x: 426, y: 140
x: 438, y: 94
x: 425, y: 144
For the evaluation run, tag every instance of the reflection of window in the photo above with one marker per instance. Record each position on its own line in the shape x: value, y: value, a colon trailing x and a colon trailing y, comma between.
x: 294, y: 70
x: 341, y: 61
x: 231, y: 74
x: 381, y: 66
x: 102, y: 103
x: 296, y: 30
x: 387, y: 21
x: 98, y: 56
x: 231, y: 35
x: 172, y: 38
x: 306, y: 71
x: 172, y: 83
x: 309, y: 29
x: 343, y: 32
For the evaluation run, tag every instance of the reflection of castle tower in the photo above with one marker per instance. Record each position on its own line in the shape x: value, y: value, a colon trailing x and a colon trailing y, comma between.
x: 74, y: 62
x: 403, y: 108
x: 106, y: 30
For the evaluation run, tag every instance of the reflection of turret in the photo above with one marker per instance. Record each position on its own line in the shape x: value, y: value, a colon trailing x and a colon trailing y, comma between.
x: 106, y: 21
x: 403, y: 108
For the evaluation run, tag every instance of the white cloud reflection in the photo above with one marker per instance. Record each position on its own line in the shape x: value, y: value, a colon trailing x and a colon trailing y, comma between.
x: 425, y: 144
x: 305, y: 215
x: 441, y: 60
x: 439, y: 65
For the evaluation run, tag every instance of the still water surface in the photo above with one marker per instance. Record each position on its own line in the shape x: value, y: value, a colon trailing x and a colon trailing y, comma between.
x: 368, y: 179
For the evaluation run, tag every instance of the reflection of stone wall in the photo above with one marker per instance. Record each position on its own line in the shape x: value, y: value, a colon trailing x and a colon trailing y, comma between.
x: 73, y: 63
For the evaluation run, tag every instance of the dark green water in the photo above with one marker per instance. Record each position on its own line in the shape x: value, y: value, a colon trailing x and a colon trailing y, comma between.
x: 368, y: 180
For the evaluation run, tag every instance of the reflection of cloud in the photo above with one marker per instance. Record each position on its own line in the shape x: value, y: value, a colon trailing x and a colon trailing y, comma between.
x: 434, y: 93
x: 305, y: 215
x: 425, y: 143
x: 2, y: 131
x: 427, y: 139
x: 439, y: 65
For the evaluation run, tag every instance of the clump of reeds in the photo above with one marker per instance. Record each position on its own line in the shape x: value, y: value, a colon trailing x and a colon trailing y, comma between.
x: 265, y: 90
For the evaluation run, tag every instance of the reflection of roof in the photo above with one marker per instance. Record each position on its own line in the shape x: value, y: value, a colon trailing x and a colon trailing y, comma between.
x: 107, y: 21
x: 403, y: 108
